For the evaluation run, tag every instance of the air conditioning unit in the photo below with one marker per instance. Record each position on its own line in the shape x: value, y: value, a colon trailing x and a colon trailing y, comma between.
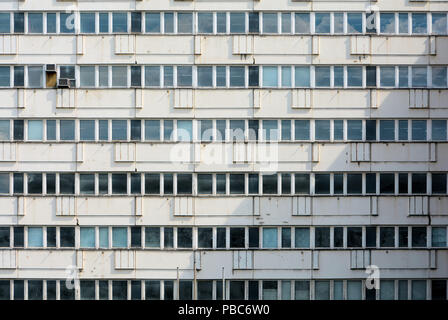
x: 64, y: 83
x: 50, y: 68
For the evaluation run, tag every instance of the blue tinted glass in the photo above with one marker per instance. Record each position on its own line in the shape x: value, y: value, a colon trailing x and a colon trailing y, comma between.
x: 286, y: 77
x: 104, y: 237
x: 5, y: 75
x: 403, y: 76
x: 169, y: 22
x: 51, y: 129
x: 338, y: 76
x: 419, y: 77
x: 67, y: 22
x: 387, y: 23
x: 152, y: 130
x: 302, y: 23
x: 152, y: 76
x: 387, y: 130
x: 35, y: 23
x: 51, y: 22
x: 439, y: 130
x: 119, y: 237
x: 322, y: 76
x: 87, y: 237
x: 184, y: 130
x: 338, y: 129
x: 354, y: 75
x: 221, y: 22
x: 403, y: 23
x: 322, y: 22
x: 438, y: 23
x: 322, y: 129
x: 221, y: 76
x: 418, y: 130
x: 387, y: 76
x: 237, y: 22
x: 205, y: 22
x: 184, y: 22
x: 184, y: 76
x: 5, y: 24
x: 168, y: 76
x: 35, y: 237
x: 270, y: 237
x: 354, y: 130
x: 119, y: 22
x: 119, y: 129
x: 419, y: 23
x: 403, y: 130
x: 237, y: 76
x: 67, y: 129
x: 286, y: 130
x: 302, y: 76
x: 439, y: 77
x: 302, y: 129
x: 270, y: 77
x: 104, y: 22
x: 270, y: 24
x: 302, y: 236
x: 354, y: 22
x: 88, y: 22
x: 152, y: 22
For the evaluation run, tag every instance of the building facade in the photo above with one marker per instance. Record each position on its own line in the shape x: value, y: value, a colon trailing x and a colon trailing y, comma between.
x: 155, y: 149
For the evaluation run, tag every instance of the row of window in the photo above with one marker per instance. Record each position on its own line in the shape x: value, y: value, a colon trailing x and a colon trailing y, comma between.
x: 119, y: 76
x: 223, y: 130
x: 370, y: 183
x: 223, y: 238
x: 389, y: 289
x: 402, y: 23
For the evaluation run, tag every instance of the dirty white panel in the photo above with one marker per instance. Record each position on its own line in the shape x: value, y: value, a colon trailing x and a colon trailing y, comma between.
x: 99, y: 206
x: 268, y: 260
x: 8, y: 45
x: 341, y: 206
x: 184, y: 98
x: 124, y: 44
x: 124, y: 259
x: 401, y: 259
x: 65, y: 206
x: 234, y: 206
x: 125, y: 152
x: 66, y: 98
x: 8, y: 152
x: 184, y: 206
x: 8, y: 259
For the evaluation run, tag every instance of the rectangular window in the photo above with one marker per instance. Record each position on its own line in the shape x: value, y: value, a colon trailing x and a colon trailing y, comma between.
x: 370, y: 237
x: 220, y: 238
x: 86, y: 130
x: 402, y: 130
x: 136, y: 184
x: 35, y: 130
x: 184, y: 22
x: 67, y: 22
x: 354, y: 75
x: 4, y: 183
x: 387, y: 76
x: 184, y: 76
x: 19, y: 22
x: 354, y: 129
x: 254, y: 22
x: 270, y: 23
x: 221, y: 184
x: 119, y: 237
x: 387, y: 22
x: 286, y: 22
x: 302, y: 290
x: 67, y: 183
x: 103, y: 76
x: 51, y: 183
x: 119, y: 22
x: 371, y: 183
x: 19, y: 76
x: 184, y: 183
x: 354, y: 237
x: 221, y: 22
x: 338, y: 130
x: 35, y: 237
x: 205, y: 130
x: 103, y: 130
x: 322, y: 76
x: 152, y: 183
x: 152, y: 22
x: 221, y: 77
x: 338, y: 23
x: 387, y: 183
x: 205, y: 22
x: 322, y: 183
x: 387, y: 130
x: 35, y: 77
x: 152, y: 76
x: 87, y: 183
x: 418, y: 290
x: 439, y: 77
x: 419, y: 23
x: 205, y: 76
x: 168, y: 22
x: 403, y: 75
x: 35, y: 24
x: 119, y: 130
x: 152, y: 237
x: 302, y: 129
x: 104, y: 22
x: 205, y: 290
x: 35, y: 290
x: 237, y: 76
x: 19, y: 237
x: 419, y: 77
x: 51, y: 237
x: 136, y: 130
x: 237, y: 22
x: 302, y: 23
x: 87, y: 75
x: 237, y: 183
x: 136, y: 237
x: 418, y: 130
x: 403, y: 23
x: 322, y: 22
x: 286, y: 237
x: 302, y: 76
x: 286, y: 130
x: 168, y: 184
x: 403, y: 237
x: 119, y: 76
x: 136, y: 22
x: 136, y: 76
x: 104, y: 237
x: 418, y: 237
x: 67, y: 129
x: 184, y: 130
x: 237, y: 238
x: 322, y: 237
x: 253, y: 183
x: 286, y: 183
x: 387, y: 237
x: 5, y: 22
x: 152, y: 130
x: 438, y: 130
x: 438, y: 23
x: 354, y: 290
x: 87, y: 235
x: 270, y: 184
x: 302, y: 183
x: 322, y: 129
x: 87, y: 289
x: 403, y: 183
x: 438, y: 183
x: 5, y: 74
x: 438, y: 235
x: 302, y: 237
x: 205, y: 183
x: 270, y: 76
x: 34, y: 183
x: 338, y: 76
x: 205, y: 237
x: 286, y: 77
x: 269, y: 290
x: 4, y: 237
x: 87, y: 22
x: 370, y: 130
x: 18, y: 183
x: 354, y: 22
x: 119, y: 183
x: 254, y: 237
